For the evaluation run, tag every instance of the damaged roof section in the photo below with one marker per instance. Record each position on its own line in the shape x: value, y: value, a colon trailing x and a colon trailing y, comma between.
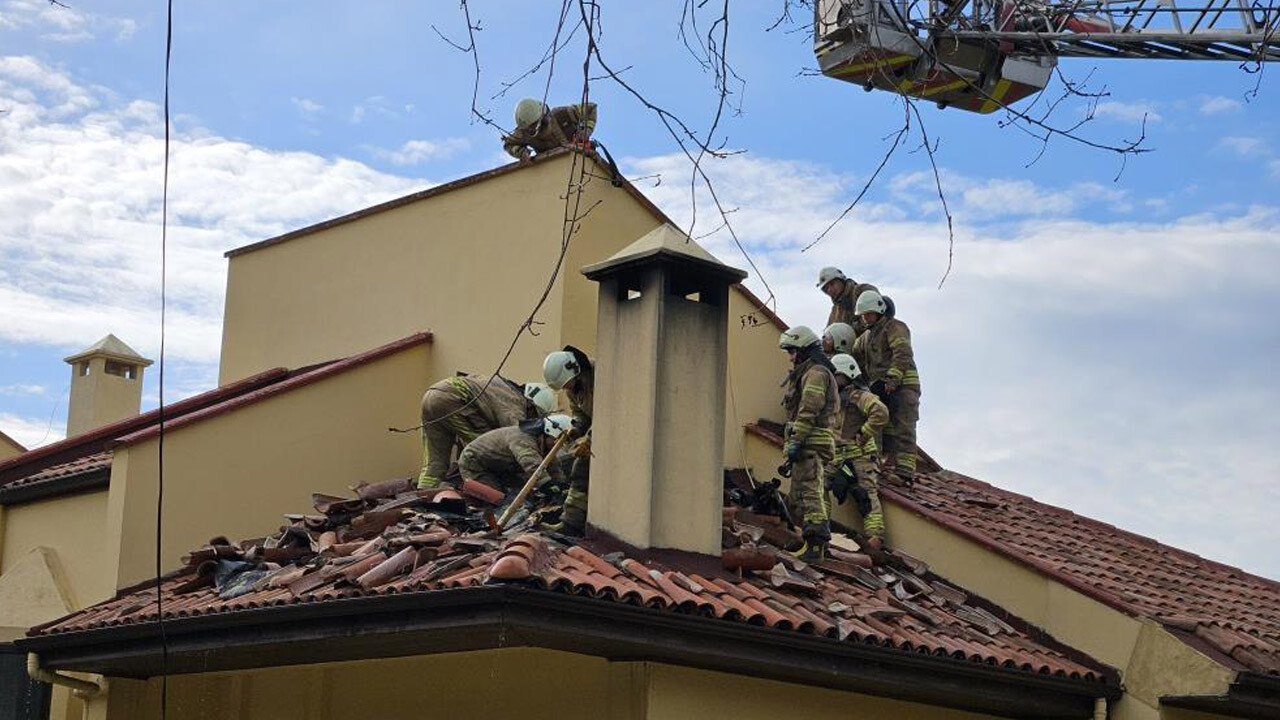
x: 391, y: 539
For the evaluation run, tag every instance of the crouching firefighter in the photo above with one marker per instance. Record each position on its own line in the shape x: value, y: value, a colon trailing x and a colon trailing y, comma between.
x: 571, y: 370
x: 460, y: 409
x: 855, y: 470
x: 507, y: 457
x: 812, y: 403
x: 540, y: 128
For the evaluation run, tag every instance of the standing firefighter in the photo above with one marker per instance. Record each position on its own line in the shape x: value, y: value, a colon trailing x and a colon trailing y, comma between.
x: 505, y: 458
x: 844, y: 294
x: 461, y: 408
x: 856, y: 467
x: 812, y: 404
x: 571, y: 370
x: 884, y: 354
x: 539, y: 129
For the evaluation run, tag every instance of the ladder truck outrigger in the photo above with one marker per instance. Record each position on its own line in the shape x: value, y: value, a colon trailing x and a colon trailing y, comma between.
x: 981, y: 55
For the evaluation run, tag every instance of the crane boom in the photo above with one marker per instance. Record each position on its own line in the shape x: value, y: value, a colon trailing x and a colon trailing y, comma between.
x: 980, y: 55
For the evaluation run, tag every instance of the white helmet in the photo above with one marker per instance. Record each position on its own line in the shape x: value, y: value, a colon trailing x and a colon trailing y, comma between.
x: 554, y: 425
x: 828, y: 274
x: 845, y: 365
x: 559, y: 368
x: 842, y: 335
x: 869, y: 301
x: 542, y: 396
x: 529, y: 112
x: 797, y: 338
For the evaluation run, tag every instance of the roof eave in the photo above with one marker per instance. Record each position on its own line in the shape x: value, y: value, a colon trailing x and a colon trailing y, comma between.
x: 89, y: 481
x: 512, y: 616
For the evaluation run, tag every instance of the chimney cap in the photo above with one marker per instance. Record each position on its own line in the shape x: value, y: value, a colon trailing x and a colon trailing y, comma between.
x: 110, y: 347
x: 664, y: 242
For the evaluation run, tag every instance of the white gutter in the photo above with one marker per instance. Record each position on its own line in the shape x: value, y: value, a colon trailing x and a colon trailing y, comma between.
x: 83, y: 689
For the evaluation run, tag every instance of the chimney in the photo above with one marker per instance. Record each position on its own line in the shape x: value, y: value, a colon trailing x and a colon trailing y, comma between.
x: 658, y: 415
x: 106, y: 385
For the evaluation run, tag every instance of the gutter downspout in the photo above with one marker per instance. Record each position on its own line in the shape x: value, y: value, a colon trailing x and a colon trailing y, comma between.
x: 1100, y: 709
x: 83, y: 689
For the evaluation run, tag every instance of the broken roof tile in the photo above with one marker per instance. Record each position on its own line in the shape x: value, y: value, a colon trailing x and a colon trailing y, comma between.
x: 415, y: 549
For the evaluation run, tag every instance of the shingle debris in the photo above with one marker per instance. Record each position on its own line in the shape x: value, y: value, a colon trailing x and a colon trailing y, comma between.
x: 392, y: 538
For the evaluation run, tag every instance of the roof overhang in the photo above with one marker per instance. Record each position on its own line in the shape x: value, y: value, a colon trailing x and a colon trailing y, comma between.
x: 96, y: 479
x: 1251, y: 696
x: 494, y: 617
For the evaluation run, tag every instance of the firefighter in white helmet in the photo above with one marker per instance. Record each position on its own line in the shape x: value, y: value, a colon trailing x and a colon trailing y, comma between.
x: 884, y: 354
x: 459, y: 409
x: 539, y: 128
x: 838, y: 338
x: 812, y: 403
x: 507, y: 457
x: 843, y: 292
x: 572, y: 371
x: 855, y: 469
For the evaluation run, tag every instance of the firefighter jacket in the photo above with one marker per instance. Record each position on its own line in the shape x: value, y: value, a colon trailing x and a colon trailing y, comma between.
x: 507, y: 452
x: 884, y: 352
x: 812, y: 403
x: 557, y: 129
x: 502, y: 403
x: 581, y: 397
x: 842, y: 307
x: 863, y: 416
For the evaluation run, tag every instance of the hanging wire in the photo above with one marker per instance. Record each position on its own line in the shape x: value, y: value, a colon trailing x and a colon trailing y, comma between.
x: 164, y: 247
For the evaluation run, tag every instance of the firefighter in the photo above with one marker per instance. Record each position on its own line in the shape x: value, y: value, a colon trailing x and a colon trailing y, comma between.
x: 855, y: 470
x: 884, y: 354
x: 571, y: 370
x: 539, y: 128
x: 461, y: 408
x: 838, y: 338
x: 506, y: 457
x: 812, y: 403
x: 844, y: 293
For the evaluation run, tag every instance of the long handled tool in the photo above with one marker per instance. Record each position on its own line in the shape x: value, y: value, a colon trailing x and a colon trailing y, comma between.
x: 533, y: 481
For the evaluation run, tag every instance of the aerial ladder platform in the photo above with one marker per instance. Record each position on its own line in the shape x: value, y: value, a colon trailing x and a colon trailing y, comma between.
x: 981, y: 55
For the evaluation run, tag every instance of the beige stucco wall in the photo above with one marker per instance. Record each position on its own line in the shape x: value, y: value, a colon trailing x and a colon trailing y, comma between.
x: 1152, y: 662
x: 73, y: 529
x: 517, y: 682
x: 9, y: 447
x: 468, y: 265
x: 235, y: 474
x: 98, y: 398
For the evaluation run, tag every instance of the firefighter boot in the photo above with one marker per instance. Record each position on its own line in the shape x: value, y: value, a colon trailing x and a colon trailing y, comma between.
x: 816, y: 536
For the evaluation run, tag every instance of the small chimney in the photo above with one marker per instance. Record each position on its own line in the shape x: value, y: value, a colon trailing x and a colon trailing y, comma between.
x: 658, y: 415
x: 106, y: 385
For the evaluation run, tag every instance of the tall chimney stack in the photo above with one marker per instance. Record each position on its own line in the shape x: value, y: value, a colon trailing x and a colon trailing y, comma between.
x: 106, y: 385
x: 658, y: 416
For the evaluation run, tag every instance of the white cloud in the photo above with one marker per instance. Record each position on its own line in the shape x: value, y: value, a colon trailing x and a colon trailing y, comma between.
x: 1244, y: 146
x: 32, y: 432
x: 306, y: 106
x: 415, y: 152
x: 20, y: 390
x: 1063, y: 358
x: 1216, y: 104
x: 80, y: 234
x: 60, y: 23
x: 1135, y: 112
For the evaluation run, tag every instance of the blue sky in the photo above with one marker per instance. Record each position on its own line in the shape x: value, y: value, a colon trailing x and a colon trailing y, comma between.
x: 1106, y: 345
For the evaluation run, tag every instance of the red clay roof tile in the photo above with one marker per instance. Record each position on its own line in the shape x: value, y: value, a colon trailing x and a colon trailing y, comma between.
x: 1235, y: 612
